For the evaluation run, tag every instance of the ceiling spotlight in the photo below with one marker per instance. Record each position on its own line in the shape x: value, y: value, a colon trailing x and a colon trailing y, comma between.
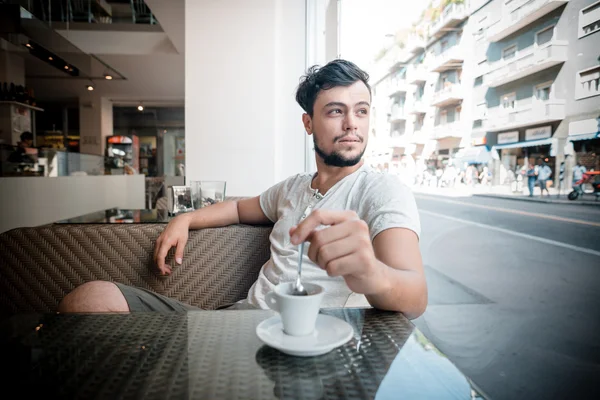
x: 50, y: 58
x: 140, y: 108
x: 108, y: 77
x: 28, y: 45
x: 90, y: 87
x: 66, y: 67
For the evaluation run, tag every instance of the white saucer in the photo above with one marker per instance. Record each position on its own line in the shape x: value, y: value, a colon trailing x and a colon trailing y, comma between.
x: 330, y: 332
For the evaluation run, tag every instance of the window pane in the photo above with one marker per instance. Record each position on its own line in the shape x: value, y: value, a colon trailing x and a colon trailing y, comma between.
x: 510, y: 52
x: 545, y: 36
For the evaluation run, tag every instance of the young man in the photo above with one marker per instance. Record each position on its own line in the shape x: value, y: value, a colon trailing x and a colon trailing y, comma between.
x: 361, y: 226
x: 19, y: 155
x: 544, y: 173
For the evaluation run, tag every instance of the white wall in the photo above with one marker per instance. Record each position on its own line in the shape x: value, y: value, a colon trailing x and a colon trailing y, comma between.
x: 33, y: 201
x: 243, y: 62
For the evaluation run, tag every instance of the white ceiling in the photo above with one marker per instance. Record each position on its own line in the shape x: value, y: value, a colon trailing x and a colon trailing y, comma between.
x: 150, y: 58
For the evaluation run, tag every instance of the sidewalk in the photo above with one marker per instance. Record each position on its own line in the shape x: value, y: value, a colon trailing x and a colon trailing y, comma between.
x: 503, y: 192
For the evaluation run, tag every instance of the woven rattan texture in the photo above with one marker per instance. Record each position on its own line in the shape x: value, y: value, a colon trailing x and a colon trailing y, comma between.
x: 203, y: 355
x: 38, y: 266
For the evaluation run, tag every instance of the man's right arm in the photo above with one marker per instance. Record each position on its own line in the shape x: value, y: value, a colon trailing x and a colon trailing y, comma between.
x: 246, y: 211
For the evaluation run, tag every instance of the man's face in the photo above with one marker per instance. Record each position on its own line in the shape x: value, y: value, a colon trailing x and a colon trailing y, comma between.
x: 340, y: 124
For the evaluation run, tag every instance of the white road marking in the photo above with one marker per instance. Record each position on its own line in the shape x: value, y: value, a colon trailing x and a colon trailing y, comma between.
x: 512, y: 211
x: 519, y: 234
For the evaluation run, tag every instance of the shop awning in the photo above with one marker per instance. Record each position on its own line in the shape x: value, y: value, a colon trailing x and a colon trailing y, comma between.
x: 530, y: 143
x: 474, y: 155
x: 588, y: 136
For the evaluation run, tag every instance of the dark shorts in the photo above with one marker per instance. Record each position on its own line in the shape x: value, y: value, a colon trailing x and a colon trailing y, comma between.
x: 144, y: 300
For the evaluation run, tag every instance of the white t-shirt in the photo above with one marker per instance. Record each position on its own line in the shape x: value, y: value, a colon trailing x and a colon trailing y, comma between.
x: 578, y: 172
x: 381, y: 200
x: 544, y: 173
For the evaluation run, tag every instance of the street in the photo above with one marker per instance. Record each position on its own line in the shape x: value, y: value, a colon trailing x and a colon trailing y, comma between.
x: 514, y: 293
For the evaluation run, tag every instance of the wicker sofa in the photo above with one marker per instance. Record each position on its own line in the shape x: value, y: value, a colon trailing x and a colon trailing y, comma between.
x: 39, y: 265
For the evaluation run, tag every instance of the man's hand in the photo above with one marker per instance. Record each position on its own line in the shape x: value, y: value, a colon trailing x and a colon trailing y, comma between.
x: 343, y: 249
x: 175, y: 235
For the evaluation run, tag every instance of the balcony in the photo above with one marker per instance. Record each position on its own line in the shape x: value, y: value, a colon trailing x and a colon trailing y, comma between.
x: 415, y: 44
x: 480, y: 129
x: 452, y: 15
x: 449, y: 130
x: 397, y: 86
x: 527, y: 113
x: 451, y: 58
x: 520, y: 13
x: 398, y: 139
x: 397, y: 114
x: 419, y: 137
x: 418, y: 107
x: 527, y: 62
x: 416, y: 74
x: 451, y: 94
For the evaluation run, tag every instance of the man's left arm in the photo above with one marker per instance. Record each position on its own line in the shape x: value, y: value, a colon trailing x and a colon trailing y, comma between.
x: 398, y: 250
x: 388, y: 271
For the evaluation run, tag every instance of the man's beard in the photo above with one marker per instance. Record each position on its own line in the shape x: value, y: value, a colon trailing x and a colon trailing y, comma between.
x: 336, y: 159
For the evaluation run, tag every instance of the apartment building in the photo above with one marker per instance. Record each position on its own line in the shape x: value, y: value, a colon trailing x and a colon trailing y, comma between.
x: 498, y: 82
x: 428, y: 86
x: 537, y: 93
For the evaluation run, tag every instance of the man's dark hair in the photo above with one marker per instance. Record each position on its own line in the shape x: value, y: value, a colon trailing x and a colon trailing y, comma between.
x: 26, y: 136
x: 335, y: 73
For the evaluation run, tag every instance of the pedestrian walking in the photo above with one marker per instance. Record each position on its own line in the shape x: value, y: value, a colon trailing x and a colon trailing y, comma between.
x: 531, y: 178
x: 544, y: 173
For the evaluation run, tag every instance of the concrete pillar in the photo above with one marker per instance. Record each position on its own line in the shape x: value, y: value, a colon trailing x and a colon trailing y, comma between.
x: 243, y: 62
x: 12, y: 68
x: 95, y: 123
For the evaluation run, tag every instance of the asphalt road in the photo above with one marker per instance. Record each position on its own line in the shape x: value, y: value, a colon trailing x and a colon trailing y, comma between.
x: 514, y: 294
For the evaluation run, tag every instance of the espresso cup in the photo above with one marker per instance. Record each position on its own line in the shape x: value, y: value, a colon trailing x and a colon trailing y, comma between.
x: 298, y: 313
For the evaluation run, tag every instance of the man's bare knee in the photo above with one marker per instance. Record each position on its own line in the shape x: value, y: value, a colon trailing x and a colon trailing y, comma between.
x: 96, y: 296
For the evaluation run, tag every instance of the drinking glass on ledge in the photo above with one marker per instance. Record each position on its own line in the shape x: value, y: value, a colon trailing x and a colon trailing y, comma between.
x: 206, y: 193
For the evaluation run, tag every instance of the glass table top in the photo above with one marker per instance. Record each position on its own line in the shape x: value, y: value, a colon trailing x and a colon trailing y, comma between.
x: 217, y: 354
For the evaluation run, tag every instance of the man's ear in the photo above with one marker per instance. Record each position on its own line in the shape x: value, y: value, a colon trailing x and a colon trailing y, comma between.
x: 307, y: 122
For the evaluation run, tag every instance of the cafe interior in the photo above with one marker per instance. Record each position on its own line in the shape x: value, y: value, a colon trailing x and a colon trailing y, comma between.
x: 140, y: 110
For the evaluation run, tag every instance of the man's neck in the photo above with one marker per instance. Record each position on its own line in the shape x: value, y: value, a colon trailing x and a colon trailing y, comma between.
x: 328, y: 176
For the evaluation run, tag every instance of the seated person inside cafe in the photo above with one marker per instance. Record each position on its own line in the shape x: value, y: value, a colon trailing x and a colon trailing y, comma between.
x: 19, y: 155
x: 361, y: 227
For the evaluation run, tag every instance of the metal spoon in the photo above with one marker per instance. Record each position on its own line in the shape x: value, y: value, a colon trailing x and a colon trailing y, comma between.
x: 298, y: 289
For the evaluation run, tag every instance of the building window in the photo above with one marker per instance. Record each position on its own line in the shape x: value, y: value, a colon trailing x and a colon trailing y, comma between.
x: 542, y: 92
x: 443, y: 117
x: 444, y: 46
x: 588, y: 83
x: 509, y: 101
x: 589, y: 20
x: 509, y: 52
x: 544, y: 36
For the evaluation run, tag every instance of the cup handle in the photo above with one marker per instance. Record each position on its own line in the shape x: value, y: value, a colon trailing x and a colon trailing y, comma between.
x: 272, y: 301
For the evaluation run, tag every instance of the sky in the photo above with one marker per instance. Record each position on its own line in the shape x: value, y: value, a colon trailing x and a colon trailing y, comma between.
x: 364, y: 24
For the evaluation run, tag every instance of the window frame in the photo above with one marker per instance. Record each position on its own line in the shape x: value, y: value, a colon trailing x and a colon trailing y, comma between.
x: 544, y: 85
x: 509, y: 47
x: 511, y: 94
x: 553, y: 27
x: 580, y: 32
x: 578, y: 82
